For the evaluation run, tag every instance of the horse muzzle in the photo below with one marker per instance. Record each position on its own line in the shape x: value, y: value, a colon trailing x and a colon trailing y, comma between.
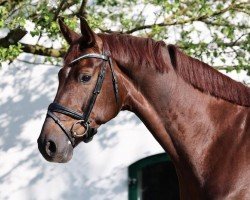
x: 72, y: 134
x: 53, y: 144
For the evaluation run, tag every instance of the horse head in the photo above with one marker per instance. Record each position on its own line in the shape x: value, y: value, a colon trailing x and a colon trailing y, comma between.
x: 87, y: 95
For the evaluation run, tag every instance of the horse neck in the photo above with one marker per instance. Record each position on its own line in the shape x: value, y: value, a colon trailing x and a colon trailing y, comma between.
x: 187, y: 123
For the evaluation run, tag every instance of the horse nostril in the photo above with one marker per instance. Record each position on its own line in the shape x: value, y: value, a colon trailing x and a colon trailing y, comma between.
x: 50, y: 148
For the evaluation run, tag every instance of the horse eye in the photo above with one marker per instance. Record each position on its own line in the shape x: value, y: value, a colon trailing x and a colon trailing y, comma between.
x: 85, y: 78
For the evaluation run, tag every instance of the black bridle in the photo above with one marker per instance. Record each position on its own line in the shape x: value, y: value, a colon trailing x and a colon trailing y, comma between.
x: 83, y: 118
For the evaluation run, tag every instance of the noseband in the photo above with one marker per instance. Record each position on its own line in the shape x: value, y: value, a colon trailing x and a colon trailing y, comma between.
x: 83, y: 118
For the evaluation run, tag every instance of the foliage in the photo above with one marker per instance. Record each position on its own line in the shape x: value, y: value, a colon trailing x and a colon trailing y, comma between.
x: 216, y: 31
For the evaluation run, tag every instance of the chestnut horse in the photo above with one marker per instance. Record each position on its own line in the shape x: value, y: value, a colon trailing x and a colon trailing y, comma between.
x: 198, y: 115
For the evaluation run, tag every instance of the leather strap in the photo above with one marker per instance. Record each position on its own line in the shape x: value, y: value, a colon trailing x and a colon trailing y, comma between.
x: 90, y: 55
x: 96, y: 91
x: 114, y: 80
x: 56, y: 107
x: 57, y: 121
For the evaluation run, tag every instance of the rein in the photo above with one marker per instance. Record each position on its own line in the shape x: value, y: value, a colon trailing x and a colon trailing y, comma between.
x: 83, y: 118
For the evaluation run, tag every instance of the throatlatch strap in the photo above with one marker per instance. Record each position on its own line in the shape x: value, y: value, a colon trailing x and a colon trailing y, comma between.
x: 114, y: 80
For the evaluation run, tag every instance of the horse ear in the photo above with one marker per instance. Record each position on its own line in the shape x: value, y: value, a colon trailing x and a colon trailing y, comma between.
x: 88, y: 36
x: 69, y: 35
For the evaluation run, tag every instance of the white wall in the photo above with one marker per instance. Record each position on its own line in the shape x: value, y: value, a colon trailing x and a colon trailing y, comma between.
x: 97, y: 171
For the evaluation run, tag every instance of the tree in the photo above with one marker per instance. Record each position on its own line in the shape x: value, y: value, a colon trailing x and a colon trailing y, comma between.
x: 224, y: 37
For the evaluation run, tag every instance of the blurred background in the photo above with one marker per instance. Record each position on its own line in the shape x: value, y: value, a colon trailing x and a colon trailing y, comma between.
x: 31, y: 51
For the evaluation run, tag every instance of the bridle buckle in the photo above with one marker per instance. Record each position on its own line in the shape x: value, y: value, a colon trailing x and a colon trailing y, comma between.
x: 74, y: 133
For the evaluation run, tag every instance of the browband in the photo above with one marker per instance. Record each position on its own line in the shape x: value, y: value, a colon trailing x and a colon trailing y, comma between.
x: 90, y: 55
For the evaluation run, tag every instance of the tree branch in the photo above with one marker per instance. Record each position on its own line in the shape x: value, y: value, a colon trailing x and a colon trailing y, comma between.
x: 58, y: 10
x: 12, y: 37
x: 180, y: 22
x: 68, y: 4
x: 231, y: 67
x: 220, y: 44
x: 2, y: 2
x: 41, y: 50
x: 82, y: 10
x: 36, y: 63
x: 227, y: 24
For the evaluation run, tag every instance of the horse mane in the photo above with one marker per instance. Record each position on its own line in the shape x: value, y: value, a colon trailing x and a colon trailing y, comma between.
x: 146, y: 52
x: 207, y: 79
